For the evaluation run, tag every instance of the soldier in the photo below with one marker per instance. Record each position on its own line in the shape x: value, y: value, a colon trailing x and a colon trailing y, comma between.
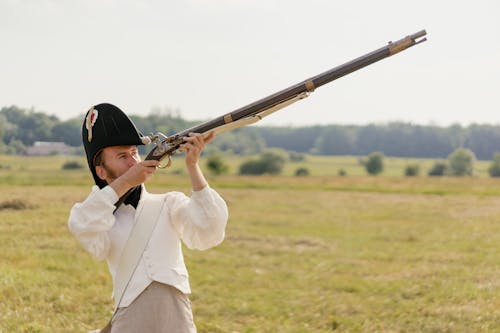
x: 155, y: 298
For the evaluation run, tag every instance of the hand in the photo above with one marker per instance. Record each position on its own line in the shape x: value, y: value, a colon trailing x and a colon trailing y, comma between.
x: 140, y: 172
x: 135, y: 175
x: 193, y: 146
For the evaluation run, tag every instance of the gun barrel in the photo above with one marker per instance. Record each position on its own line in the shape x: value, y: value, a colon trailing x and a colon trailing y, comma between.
x: 386, y: 51
x: 419, y: 34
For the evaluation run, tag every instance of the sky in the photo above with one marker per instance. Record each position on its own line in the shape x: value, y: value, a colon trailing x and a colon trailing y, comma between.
x: 204, y: 58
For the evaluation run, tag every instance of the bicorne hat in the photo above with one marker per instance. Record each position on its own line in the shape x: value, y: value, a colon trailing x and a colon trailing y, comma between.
x: 105, y: 125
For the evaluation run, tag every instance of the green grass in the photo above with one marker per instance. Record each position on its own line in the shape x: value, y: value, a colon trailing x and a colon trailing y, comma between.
x: 302, y: 254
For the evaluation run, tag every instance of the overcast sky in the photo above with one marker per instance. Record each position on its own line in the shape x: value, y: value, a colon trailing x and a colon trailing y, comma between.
x: 205, y: 58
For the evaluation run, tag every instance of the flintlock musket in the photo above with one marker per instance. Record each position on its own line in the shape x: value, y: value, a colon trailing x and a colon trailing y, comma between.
x: 166, y: 146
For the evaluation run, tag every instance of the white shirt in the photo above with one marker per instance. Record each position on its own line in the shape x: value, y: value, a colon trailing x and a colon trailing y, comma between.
x: 199, y: 221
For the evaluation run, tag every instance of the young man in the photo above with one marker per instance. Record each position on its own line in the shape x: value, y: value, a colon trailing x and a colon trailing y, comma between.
x: 155, y: 299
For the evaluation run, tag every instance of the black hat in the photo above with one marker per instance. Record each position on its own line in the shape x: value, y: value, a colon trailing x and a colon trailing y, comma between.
x: 105, y: 125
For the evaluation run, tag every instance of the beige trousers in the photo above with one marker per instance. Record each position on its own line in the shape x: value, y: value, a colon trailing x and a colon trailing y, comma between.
x: 160, y: 308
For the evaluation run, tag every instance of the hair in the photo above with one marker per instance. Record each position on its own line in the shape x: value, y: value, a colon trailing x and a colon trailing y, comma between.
x: 98, y: 159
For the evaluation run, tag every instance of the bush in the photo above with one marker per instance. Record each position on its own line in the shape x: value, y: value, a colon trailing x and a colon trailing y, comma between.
x: 16, y: 147
x: 72, y: 165
x: 342, y: 172
x: 461, y: 162
x: 438, y: 169
x: 296, y: 157
x: 273, y: 162
x: 302, y: 172
x: 16, y: 204
x: 494, y: 169
x: 374, y: 163
x: 268, y: 162
x: 252, y: 167
x: 216, y: 165
x: 412, y: 170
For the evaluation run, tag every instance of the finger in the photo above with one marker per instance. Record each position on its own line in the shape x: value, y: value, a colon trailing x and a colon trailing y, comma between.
x: 198, y: 141
x: 195, y: 138
x: 201, y: 140
x: 210, y: 137
x: 150, y: 163
x: 186, y: 147
x: 189, y: 139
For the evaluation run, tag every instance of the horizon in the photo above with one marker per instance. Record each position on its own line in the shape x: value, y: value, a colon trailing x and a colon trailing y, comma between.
x: 262, y: 123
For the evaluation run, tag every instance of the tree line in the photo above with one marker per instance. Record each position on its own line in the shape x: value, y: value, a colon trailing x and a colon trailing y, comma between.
x: 393, y: 139
x: 21, y: 127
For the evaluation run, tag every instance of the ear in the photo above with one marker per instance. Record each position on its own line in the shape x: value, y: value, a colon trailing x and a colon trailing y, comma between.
x: 101, y: 172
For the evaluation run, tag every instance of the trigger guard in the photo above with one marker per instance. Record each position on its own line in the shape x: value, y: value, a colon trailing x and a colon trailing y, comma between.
x: 169, y: 163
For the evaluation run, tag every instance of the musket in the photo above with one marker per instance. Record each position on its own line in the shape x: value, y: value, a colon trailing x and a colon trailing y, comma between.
x: 166, y: 146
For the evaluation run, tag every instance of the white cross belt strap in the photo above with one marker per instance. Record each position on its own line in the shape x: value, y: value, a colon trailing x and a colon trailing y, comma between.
x: 139, y: 237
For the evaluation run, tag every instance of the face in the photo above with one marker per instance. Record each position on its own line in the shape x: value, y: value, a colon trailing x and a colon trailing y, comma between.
x: 116, y: 161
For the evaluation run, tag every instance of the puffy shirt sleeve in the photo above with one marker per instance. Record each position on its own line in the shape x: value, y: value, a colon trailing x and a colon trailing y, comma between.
x: 90, y: 220
x: 200, y: 219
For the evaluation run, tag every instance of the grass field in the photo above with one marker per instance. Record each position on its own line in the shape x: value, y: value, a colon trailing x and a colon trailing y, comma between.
x: 302, y: 254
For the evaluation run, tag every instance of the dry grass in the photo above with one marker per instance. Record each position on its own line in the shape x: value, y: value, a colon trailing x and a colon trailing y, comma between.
x: 312, y: 254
